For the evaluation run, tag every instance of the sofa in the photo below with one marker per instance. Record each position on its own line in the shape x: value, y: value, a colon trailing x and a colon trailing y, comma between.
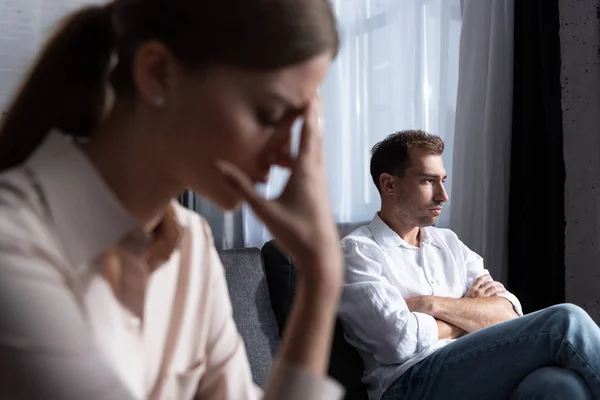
x: 261, y: 285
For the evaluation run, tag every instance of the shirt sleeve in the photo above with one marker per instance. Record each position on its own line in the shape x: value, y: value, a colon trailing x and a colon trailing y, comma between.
x: 374, y: 314
x: 228, y: 374
x: 46, y: 349
x: 475, y: 269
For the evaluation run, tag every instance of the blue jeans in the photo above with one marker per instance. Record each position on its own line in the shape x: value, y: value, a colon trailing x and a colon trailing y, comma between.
x: 549, y: 354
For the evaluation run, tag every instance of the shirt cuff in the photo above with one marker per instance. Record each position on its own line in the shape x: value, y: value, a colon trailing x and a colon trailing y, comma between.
x: 293, y: 383
x: 515, y: 302
x: 427, y: 331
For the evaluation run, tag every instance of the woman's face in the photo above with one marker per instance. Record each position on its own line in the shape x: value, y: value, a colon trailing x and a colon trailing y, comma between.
x: 241, y: 116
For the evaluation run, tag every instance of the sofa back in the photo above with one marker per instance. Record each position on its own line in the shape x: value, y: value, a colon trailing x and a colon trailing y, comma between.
x: 252, y: 309
x: 345, y: 364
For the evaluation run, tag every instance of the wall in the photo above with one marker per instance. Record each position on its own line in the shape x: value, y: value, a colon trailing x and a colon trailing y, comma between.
x: 24, y: 27
x: 580, y: 48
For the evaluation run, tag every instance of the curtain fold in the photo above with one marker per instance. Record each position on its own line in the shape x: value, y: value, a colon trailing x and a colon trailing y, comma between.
x: 482, y: 139
x: 537, y: 214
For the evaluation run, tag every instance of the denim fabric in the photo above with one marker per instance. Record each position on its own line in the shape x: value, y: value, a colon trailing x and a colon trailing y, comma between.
x: 508, y: 360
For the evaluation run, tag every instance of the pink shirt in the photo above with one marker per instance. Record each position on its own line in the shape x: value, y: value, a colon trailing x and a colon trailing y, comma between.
x: 66, y: 333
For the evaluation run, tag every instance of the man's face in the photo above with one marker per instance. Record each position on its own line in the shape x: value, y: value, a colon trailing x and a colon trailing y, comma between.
x: 420, y: 193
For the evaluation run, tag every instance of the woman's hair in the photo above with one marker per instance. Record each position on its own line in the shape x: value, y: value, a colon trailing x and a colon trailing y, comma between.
x: 66, y: 88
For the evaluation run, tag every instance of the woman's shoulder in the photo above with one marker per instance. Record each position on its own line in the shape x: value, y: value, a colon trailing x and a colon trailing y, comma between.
x: 21, y: 206
x: 25, y: 228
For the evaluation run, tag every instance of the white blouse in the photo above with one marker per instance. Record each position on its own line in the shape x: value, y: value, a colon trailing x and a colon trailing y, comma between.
x: 66, y: 333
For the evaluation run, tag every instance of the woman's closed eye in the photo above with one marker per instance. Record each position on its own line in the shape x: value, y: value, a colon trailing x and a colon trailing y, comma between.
x: 269, y: 119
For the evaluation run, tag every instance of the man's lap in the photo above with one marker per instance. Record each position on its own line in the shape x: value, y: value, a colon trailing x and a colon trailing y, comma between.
x: 486, y: 364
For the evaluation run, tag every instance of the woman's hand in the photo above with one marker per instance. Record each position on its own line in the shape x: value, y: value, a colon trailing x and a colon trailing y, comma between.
x: 300, y: 219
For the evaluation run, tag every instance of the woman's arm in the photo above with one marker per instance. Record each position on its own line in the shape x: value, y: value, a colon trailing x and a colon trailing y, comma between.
x: 311, y: 323
x: 301, y: 221
x: 227, y: 372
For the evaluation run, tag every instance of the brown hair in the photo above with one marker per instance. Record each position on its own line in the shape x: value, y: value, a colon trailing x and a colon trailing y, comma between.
x: 66, y: 88
x: 392, y: 155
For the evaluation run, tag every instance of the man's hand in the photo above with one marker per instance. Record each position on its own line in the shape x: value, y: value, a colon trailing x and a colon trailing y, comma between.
x: 485, y: 286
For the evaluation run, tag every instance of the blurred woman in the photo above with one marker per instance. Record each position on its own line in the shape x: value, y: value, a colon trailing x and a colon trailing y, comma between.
x: 110, y: 289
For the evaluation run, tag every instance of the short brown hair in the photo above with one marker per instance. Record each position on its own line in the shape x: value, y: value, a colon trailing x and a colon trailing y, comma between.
x: 392, y: 154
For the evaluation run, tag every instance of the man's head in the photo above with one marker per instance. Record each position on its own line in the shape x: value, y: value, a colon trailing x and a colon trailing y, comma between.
x: 408, y: 171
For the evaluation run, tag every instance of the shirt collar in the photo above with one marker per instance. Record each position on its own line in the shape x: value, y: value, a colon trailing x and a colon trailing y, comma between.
x: 386, y: 238
x: 427, y: 237
x: 86, y: 213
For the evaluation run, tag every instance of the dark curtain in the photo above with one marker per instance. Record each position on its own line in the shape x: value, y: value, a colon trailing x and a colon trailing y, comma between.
x: 536, y: 243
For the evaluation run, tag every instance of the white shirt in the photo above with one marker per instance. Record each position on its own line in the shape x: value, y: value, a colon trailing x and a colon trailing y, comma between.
x: 381, y: 271
x: 66, y: 333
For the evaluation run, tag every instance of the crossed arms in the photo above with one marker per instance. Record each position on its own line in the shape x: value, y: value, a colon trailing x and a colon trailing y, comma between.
x: 379, y: 321
x: 479, y: 308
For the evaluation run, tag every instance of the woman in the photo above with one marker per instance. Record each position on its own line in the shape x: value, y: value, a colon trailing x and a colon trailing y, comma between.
x: 110, y: 290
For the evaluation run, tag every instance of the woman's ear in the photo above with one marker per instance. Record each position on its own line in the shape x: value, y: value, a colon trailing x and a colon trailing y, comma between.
x: 152, y: 65
x: 387, y: 183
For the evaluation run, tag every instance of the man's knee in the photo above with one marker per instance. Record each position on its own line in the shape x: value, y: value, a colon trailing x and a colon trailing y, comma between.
x: 569, y: 319
x: 570, y: 312
x: 552, y: 383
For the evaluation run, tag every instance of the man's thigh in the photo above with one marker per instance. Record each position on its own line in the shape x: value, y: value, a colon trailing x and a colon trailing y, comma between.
x: 487, y: 364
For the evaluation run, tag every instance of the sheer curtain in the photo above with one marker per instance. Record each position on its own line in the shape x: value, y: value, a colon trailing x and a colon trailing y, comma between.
x: 479, y: 214
x: 397, y: 69
x: 25, y: 26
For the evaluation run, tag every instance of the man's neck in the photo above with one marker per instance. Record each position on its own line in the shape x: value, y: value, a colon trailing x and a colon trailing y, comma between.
x: 410, y: 233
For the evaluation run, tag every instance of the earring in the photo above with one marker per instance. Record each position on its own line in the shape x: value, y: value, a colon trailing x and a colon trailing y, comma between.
x: 158, y: 100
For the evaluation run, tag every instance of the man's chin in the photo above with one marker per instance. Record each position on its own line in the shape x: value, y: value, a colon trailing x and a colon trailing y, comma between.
x: 428, y: 221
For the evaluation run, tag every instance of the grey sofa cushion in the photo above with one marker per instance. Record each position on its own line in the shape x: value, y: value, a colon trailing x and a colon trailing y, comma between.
x: 252, y: 310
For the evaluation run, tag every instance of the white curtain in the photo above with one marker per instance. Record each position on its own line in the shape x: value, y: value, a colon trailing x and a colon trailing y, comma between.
x: 397, y: 69
x: 479, y: 210
x: 25, y: 26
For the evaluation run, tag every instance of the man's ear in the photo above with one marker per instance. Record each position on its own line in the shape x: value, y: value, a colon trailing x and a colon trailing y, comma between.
x: 387, y: 183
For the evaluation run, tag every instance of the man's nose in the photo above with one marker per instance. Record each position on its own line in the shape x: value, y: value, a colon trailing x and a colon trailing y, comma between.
x: 441, y: 195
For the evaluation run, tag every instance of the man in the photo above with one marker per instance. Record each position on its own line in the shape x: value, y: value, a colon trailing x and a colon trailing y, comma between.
x: 428, y: 319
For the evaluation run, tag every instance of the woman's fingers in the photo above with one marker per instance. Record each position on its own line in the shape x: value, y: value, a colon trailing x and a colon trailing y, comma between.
x: 310, y: 141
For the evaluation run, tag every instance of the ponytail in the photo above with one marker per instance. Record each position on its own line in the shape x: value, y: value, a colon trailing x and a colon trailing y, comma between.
x: 65, y: 89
